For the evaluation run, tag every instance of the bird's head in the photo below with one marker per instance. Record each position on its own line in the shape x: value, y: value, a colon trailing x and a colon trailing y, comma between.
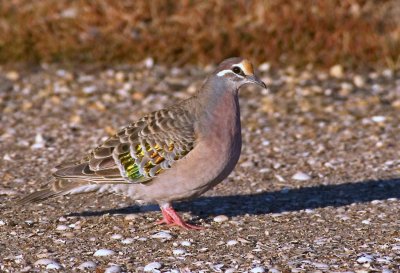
x: 237, y: 72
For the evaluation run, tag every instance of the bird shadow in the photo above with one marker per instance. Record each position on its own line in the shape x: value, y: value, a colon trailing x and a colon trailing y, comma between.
x: 285, y: 200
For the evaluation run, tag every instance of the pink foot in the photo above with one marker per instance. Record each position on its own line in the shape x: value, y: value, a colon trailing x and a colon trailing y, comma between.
x: 171, y: 218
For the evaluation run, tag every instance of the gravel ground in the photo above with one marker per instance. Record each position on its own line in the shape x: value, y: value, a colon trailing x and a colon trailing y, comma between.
x: 316, y: 188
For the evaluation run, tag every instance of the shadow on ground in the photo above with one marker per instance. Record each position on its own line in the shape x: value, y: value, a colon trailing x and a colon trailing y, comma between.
x: 278, y: 201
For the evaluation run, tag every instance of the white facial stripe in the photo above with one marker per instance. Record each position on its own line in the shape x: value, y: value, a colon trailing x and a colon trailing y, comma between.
x: 226, y: 71
x: 223, y: 72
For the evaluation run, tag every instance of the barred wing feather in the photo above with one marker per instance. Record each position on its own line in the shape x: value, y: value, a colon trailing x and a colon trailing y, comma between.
x: 139, y: 152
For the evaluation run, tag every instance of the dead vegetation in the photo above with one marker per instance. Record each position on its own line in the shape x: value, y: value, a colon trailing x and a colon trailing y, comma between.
x: 353, y: 32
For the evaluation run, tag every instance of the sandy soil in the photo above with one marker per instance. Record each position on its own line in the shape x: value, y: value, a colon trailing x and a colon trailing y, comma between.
x: 317, y: 187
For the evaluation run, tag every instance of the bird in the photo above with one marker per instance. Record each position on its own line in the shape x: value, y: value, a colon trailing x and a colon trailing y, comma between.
x: 169, y: 155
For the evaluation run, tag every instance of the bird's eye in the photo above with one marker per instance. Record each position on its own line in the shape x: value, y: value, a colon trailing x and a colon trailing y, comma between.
x: 237, y: 70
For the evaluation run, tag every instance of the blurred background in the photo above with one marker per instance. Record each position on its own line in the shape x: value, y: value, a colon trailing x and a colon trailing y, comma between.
x: 353, y: 33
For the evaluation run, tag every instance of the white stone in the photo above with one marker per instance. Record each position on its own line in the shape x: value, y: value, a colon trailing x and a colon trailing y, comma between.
x: 279, y: 177
x: 87, y: 265
x: 162, y: 235
x: 44, y: 261
x: 231, y: 242
x: 116, y: 236
x: 221, y: 218
x: 2, y: 223
x: 54, y: 266
x: 152, y: 266
x: 62, y: 227
x: 131, y: 217
x: 264, y: 67
x: 378, y: 119
x: 365, y: 259
x: 300, y: 176
x: 149, y: 62
x: 321, y: 265
x: 103, y: 252
x: 274, y: 270
x: 178, y: 252
x: 89, y: 89
x: 39, y: 142
x: 186, y: 243
x: 366, y: 222
x: 336, y: 71
x: 258, y: 269
x: 358, y: 81
x: 396, y: 247
x: 127, y: 241
x: 68, y: 13
x: 12, y: 75
x: 113, y: 269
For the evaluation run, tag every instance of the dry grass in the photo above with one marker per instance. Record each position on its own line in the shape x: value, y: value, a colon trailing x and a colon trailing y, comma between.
x: 351, y: 32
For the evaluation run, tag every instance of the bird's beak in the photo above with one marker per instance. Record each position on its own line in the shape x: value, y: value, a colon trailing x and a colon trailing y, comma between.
x: 254, y: 79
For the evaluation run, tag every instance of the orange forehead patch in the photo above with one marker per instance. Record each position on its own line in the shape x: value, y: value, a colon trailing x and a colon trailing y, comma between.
x: 247, y: 67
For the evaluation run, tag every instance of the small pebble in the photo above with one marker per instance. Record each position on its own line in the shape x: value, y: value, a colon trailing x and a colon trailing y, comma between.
x: 258, y: 269
x: 264, y: 67
x: 221, y: 218
x: 231, y: 242
x: 378, y: 119
x: 39, y: 142
x: 365, y: 259
x: 396, y: 247
x: 162, y: 235
x: 44, y: 261
x: 178, y: 252
x: 336, y: 71
x: 300, y: 176
x: 274, y: 270
x: 87, y: 265
x: 89, y: 89
x: 55, y: 266
x: 358, y: 81
x: 116, y: 236
x: 321, y: 266
x: 131, y: 217
x: 113, y: 269
x: 12, y: 75
x: 152, y: 266
x: 186, y: 243
x: 103, y: 252
x: 149, y: 63
x: 127, y: 241
x: 62, y: 227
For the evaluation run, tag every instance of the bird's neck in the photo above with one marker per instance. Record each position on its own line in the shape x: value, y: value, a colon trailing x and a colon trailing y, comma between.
x: 219, y: 110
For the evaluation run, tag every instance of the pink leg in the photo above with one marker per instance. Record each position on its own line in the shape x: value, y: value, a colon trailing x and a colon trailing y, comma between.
x: 171, y: 218
x: 167, y: 219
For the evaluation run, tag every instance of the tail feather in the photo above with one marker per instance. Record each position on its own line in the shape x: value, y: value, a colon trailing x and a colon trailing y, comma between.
x: 56, y: 188
x: 36, y: 197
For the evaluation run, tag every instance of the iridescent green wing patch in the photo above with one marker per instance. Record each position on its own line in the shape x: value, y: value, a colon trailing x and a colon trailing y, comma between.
x: 145, y: 161
x: 131, y: 169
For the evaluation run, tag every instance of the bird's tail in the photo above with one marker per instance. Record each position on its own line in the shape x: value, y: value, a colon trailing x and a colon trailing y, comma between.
x: 54, y: 189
